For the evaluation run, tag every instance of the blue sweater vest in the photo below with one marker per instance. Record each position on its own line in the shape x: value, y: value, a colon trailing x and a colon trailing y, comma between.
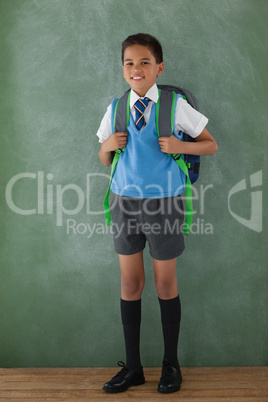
x: 143, y: 170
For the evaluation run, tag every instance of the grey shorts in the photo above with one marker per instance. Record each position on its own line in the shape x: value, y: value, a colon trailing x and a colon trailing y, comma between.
x: 159, y: 221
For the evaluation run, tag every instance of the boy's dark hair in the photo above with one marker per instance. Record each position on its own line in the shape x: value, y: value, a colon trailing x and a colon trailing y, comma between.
x: 144, y: 40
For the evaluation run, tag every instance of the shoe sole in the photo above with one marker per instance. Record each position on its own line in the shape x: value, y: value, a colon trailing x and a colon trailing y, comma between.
x: 168, y: 391
x: 117, y: 391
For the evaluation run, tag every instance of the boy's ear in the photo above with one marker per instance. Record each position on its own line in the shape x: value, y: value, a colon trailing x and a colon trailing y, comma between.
x: 161, y: 67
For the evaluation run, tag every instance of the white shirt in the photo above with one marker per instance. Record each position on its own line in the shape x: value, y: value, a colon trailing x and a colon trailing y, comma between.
x: 187, y: 119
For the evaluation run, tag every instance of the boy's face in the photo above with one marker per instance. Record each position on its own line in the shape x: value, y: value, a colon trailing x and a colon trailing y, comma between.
x: 140, y: 69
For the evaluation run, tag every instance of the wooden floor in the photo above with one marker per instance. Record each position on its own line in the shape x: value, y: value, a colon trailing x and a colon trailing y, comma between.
x: 241, y: 384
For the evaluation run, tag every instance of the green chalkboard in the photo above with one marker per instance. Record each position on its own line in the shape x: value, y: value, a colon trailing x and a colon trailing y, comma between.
x: 60, y: 68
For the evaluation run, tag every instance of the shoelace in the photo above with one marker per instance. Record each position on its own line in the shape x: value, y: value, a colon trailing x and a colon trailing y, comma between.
x: 168, y: 372
x: 122, y: 372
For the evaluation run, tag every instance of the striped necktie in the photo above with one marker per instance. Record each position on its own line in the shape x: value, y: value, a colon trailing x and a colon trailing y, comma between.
x: 140, y: 107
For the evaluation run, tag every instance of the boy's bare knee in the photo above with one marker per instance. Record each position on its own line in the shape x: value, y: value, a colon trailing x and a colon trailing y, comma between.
x: 166, y: 289
x: 132, y: 288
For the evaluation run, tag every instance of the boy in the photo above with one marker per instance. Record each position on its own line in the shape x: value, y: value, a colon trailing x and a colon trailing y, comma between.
x: 147, y: 185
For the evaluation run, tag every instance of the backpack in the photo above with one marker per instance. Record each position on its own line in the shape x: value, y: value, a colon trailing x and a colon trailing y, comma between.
x: 165, y: 109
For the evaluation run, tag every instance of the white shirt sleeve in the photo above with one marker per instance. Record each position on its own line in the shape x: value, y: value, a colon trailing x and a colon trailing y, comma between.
x: 105, y: 129
x: 189, y: 120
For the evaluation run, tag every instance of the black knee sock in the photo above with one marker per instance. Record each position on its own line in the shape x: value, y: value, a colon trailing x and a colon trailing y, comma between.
x: 171, y: 317
x: 131, y: 320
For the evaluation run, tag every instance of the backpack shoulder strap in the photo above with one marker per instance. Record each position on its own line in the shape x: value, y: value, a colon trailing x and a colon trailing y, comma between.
x: 165, y: 109
x: 121, y: 113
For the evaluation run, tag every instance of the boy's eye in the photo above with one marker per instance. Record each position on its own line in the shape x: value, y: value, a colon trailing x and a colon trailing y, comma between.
x: 130, y: 63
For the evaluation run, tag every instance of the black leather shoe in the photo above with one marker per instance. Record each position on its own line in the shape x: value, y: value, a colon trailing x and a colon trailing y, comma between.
x: 124, y: 379
x: 170, y: 380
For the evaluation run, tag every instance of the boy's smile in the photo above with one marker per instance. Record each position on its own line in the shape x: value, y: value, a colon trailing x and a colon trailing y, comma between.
x: 140, y: 69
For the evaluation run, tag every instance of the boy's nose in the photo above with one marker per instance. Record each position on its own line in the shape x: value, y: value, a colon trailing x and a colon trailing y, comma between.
x: 136, y: 68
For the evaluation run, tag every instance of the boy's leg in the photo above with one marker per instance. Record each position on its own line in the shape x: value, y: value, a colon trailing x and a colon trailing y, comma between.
x: 132, y: 283
x: 132, y: 276
x: 167, y: 290
x: 165, y: 278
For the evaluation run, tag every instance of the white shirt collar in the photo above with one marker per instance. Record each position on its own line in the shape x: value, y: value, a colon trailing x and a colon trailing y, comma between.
x: 152, y: 93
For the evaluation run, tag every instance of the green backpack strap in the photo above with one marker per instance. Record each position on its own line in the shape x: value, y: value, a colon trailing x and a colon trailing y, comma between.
x: 166, y: 107
x: 120, y: 123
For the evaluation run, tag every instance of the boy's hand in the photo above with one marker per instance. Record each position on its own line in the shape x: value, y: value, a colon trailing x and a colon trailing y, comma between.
x: 170, y: 145
x: 204, y: 144
x: 115, y: 141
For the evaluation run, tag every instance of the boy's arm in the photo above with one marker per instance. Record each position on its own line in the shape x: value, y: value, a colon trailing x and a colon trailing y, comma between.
x: 113, y: 142
x: 204, y: 145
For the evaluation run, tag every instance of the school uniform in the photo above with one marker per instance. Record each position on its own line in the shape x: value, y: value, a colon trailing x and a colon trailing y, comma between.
x: 147, y: 183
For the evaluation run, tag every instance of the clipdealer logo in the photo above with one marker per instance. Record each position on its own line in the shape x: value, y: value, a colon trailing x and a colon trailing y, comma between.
x: 255, y: 221
x: 50, y: 200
